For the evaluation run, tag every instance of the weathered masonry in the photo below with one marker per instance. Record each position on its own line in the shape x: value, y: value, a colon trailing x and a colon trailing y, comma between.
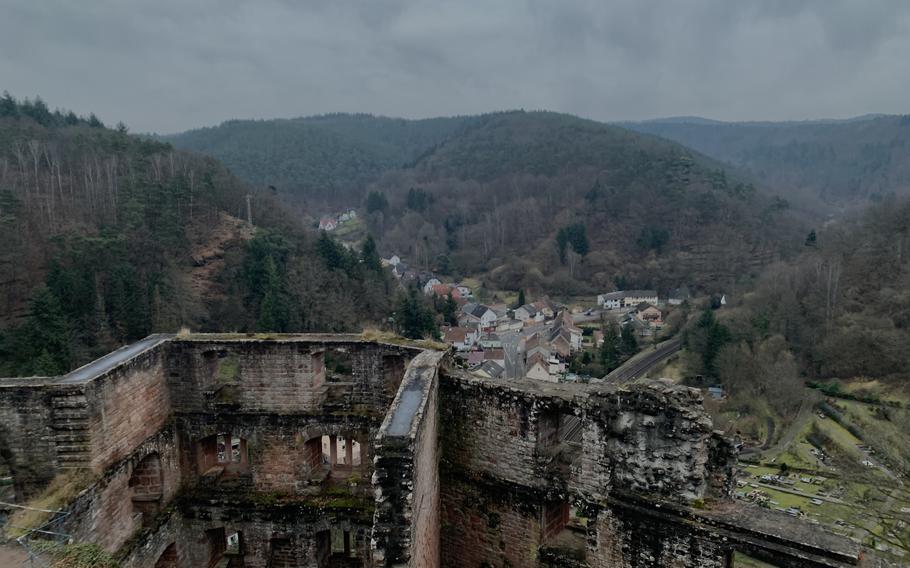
x: 331, y: 450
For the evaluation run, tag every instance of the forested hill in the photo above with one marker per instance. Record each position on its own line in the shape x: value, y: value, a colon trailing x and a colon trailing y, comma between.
x: 107, y: 237
x: 842, y: 162
x: 556, y: 203
x: 324, y: 160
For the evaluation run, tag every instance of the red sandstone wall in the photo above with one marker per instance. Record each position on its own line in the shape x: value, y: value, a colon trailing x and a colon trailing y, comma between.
x: 26, y: 434
x: 492, y: 432
x: 105, y: 513
x: 126, y: 407
x: 249, y: 376
x: 425, y: 526
x: 483, y: 529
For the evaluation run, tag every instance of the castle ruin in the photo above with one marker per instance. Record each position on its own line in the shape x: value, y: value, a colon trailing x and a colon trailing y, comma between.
x: 336, y: 451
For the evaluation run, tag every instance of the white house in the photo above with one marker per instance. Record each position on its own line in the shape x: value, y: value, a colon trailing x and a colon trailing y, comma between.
x: 482, y: 315
x: 632, y: 298
x: 464, y: 291
x: 328, y: 224
x: 626, y: 298
x: 678, y: 296
x: 610, y: 301
x: 394, y: 260
x: 462, y: 338
x: 525, y: 312
x: 539, y: 369
x: 428, y: 287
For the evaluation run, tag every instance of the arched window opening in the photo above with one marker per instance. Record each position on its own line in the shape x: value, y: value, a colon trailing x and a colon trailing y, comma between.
x: 223, y: 454
x: 168, y: 558
x: 343, y: 454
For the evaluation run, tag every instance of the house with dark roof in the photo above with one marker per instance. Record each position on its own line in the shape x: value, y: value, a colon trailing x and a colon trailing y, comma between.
x: 679, y: 295
x: 481, y: 315
x: 489, y: 370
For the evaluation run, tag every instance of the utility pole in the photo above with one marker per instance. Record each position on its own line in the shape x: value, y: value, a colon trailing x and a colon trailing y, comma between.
x: 249, y: 210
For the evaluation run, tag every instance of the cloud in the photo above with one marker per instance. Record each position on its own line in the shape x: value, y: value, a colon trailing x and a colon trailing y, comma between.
x: 171, y: 64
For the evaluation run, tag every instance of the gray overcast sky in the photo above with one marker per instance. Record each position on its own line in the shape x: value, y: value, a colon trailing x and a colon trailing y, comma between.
x: 169, y: 65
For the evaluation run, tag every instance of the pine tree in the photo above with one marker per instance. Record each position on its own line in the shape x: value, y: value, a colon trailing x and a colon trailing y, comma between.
x: 450, y: 310
x: 811, y: 239
x: 414, y: 318
x: 275, y: 308
x: 369, y: 255
x: 521, y: 297
x: 610, y: 356
x: 628, y: 343
x: 45, y: 340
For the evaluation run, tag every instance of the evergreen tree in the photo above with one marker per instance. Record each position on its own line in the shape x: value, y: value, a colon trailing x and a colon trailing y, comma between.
x: 418, y: 199
x: 627, y: 341
x: 450, y: 310
x: 376, y: 201
x: 8, y: 106
x: 562, y: 240
x: 707, y: 338
x: 521, y: 298
x: 811, y: 239
x: 44, y: 342
x: 610, y: 356
x: 414, y: 318
x: 275, y: 309
x: 369, y: 255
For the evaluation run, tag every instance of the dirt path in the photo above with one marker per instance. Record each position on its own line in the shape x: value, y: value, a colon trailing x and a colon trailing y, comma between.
x: 802, y: 418
x: 208, y: 256
x: 12, y: 555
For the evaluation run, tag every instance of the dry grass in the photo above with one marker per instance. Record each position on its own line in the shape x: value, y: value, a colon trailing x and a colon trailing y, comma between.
x: 61, y: 491
x: 372, y: 334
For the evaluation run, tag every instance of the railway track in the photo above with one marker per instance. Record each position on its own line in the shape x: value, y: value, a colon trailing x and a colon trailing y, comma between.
x: 631, y: 370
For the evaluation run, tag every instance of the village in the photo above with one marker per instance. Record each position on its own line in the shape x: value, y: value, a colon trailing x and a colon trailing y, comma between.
x: 539, y: 339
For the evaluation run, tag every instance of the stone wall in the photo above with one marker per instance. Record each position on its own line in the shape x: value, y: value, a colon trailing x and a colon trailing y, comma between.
x: 488, y: 525
x: 270, y: 537
x: 124, y: 407
x: 652, y: 438
x: 111, y: 509
x: 456, y: 470
x: 276, y: 446
x: 405, y: 480
x: 297, y: 375
x: 27, y: 442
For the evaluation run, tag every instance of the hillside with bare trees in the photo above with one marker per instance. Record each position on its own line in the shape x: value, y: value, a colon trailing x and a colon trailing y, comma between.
x: 108, y: 237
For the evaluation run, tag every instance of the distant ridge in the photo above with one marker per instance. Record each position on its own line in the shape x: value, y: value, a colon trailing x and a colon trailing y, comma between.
x: 841, y: 162
x: 710, y: 121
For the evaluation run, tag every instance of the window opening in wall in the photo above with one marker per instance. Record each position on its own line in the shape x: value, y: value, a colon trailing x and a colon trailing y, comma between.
x: 235, y: 449
x: 232, y: 544
x: 340, y: 452
x: 222, y: 453
x: 283, y: 554
x: 355, y: 460
x: 323, y: 548
x: 217, y: 545
x: 563, y: 529
x: 146, y: 486
x: 342, y: 544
